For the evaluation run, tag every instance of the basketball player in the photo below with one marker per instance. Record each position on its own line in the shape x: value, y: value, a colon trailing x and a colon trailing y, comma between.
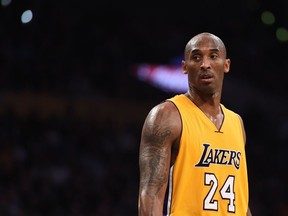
x: 192, y: 152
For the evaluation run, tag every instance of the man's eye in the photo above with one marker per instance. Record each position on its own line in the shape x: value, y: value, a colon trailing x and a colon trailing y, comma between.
x: 196, y: 57
x: 214, y: 56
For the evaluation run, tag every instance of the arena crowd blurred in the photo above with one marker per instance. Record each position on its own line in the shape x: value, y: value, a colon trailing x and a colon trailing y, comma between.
x: 71, y: 110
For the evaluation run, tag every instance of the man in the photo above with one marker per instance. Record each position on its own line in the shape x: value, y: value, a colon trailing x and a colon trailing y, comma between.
x: 192, y: 152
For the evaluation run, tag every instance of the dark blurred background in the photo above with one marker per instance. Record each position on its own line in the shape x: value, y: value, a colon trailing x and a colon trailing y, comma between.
x: 71, y: 109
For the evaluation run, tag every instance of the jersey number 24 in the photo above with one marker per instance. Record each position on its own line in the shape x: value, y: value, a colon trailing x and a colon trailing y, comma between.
x: 226, y: 191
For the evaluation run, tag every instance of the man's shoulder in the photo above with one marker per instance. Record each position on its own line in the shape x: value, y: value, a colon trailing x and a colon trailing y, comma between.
x: 231, y: 112
x: 176, y: 97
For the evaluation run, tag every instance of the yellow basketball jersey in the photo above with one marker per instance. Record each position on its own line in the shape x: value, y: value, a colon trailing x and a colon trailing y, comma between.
x: 209, y: 176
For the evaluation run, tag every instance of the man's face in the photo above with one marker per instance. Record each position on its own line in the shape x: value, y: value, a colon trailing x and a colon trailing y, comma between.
x: 205, y: 65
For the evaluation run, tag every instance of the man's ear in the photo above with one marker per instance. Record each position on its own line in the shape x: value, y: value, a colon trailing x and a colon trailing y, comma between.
x: 227, y: 65
x: 184, y: 67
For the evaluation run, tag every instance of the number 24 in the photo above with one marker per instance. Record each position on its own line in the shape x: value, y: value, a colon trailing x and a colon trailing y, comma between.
x: 227, y: 192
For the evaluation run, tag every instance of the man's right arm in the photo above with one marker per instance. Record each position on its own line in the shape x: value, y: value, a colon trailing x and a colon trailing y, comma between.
x: 158, y: 134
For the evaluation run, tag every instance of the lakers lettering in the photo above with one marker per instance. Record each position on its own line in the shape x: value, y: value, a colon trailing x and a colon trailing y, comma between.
x: 219, y: 156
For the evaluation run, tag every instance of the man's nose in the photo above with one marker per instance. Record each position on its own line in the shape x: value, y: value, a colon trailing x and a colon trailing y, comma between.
x: 205, y: 63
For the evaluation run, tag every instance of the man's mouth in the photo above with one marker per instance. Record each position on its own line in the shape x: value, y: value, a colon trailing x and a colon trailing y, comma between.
x: 207, y: 78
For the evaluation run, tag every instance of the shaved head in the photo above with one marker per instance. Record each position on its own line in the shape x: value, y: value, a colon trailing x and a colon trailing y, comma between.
x: 204, y: 37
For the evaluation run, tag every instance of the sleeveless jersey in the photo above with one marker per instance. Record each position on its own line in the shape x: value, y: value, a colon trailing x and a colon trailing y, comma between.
x: 209, y: 176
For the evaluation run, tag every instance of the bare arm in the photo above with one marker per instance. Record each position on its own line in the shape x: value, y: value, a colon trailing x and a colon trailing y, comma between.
x: 249, y: 212
x: 160, y: 130
x: 244, y: 134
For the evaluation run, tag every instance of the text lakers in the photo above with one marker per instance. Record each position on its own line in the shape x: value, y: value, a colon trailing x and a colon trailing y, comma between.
x: 219, y: 156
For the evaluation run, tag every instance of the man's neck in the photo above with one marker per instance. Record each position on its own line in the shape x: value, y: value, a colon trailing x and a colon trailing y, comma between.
x: 209, y: 101
x: 210, y: 106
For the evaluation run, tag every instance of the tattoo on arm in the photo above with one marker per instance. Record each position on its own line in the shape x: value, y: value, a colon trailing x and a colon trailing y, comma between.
x: 154, y: 159
x: 157, y: 136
